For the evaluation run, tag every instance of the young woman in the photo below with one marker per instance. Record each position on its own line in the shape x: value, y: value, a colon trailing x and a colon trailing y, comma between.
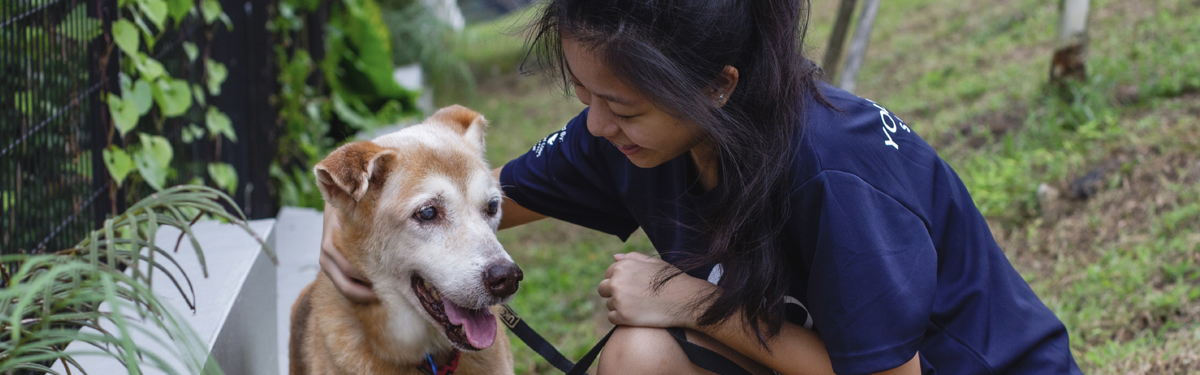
x: 808, y: 230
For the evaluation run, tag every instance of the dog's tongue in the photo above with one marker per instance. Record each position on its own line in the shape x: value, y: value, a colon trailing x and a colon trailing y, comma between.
x: 479, y: 325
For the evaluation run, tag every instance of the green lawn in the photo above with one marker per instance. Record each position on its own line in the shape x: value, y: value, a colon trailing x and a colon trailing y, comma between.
x: 1121, y: 268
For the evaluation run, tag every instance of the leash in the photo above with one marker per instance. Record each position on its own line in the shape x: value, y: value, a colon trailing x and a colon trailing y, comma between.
x: 699, y: 355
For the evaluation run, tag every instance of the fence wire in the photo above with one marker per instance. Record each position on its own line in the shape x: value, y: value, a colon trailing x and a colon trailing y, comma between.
x: 57, y: 63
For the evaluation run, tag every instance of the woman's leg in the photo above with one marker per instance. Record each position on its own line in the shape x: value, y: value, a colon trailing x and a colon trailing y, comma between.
x: 639, y: 350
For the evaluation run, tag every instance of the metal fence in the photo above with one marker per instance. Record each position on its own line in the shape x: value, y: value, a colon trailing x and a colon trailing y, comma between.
x: 57, y: 61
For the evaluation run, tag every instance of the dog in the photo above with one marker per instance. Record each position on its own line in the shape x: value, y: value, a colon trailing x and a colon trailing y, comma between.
x: 419, y: 210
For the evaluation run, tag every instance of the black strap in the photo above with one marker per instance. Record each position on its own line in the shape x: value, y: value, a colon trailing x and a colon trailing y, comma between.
x: 534, y: 340
x: 705, y: 358
x: 547, y: 350
x: 699, y: 355
x: 585, y: 362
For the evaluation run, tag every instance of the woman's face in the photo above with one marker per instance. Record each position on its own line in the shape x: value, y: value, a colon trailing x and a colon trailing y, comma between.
x: 645, y: 134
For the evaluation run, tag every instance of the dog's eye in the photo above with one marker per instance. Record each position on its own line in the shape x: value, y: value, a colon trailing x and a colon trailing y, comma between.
x: 426, y: 214
x: 493, y: 207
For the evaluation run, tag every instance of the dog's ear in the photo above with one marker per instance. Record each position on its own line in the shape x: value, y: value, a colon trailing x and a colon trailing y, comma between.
x: 347, y: 174
x: 462, y: 120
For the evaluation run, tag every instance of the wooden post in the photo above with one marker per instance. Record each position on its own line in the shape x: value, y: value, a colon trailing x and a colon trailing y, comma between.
x: 858, y: 47
x: 833, y: 54
x: 1070, y: 53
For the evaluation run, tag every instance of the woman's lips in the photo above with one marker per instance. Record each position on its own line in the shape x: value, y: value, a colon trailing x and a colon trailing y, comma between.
x: 627, y: 150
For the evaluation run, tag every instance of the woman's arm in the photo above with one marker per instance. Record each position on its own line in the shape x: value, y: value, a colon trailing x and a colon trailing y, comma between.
x: 796, y: 350
x: 631, y: 301
x: 512, y: 214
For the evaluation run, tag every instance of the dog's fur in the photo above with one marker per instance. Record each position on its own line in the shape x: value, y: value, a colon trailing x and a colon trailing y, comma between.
x: 379, y: 187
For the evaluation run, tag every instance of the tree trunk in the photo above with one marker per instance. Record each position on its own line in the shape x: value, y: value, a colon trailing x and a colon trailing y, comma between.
x: 858, y: 47
x: 833, y: 54
x: 1070, y: 53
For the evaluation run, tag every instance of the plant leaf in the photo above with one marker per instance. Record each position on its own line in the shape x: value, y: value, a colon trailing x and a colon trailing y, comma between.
x: 211, y: 9
x: 219, y: 123
x: 126, y: 36
x: 148, y: 66
x: 156, y: 10
x: 146, y: 32
x: 124, y: 113
x: 179, y: 8
x: 216, y: 76
x: 191, y: 133
x: 173, y: 96
x: 142, y: 97
x: 191, y: 50
x: 198, y: 94
x: 224, y: 176
x: 153, y: 159
x: 118, y: 163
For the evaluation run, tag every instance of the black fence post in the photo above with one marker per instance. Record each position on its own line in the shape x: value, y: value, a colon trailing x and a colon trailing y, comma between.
x: 245, y: 97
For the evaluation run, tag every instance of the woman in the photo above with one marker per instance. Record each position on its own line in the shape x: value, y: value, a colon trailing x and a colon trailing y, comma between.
x: 801, y: 229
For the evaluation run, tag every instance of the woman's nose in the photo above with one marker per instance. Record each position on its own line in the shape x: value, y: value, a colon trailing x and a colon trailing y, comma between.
x: 600, y: 125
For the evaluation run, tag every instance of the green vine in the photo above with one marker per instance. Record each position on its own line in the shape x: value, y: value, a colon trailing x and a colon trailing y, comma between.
x: 149, y: 92
x: 323, y: 103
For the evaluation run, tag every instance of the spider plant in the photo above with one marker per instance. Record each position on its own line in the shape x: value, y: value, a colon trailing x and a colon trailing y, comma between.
x: 47, y: 298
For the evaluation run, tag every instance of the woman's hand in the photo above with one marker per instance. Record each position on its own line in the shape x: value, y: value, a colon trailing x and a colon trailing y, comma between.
x: 628, y: 285
x: 345, y: 278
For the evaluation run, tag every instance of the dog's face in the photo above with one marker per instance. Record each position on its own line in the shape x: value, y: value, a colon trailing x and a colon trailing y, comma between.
x: 419, y: 210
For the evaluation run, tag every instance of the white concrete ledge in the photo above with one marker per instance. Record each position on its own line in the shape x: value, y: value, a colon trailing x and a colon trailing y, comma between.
x: 235, y: 313
x: 298, y: 239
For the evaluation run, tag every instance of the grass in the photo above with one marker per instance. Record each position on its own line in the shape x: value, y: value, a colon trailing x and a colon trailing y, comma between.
x: 1120, y: 267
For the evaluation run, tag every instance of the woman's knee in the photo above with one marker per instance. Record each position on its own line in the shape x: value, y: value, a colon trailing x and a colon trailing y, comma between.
x: 640, y: 350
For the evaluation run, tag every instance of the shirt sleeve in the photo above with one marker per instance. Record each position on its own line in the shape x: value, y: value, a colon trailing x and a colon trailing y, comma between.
x: 566, y: 176
x: 873, y: 277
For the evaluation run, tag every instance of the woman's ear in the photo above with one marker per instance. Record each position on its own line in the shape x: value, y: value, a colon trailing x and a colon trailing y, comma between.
x: 726, y: 82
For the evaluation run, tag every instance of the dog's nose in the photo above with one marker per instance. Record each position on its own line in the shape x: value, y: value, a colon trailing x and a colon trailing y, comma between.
x: 502, y: 278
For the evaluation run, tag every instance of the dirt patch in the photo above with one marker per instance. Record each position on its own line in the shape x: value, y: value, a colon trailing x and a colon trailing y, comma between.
x: 1121, y: 210
x: 985, y: 128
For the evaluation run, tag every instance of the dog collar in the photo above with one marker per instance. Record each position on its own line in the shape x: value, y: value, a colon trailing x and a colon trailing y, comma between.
x: 428, y: 367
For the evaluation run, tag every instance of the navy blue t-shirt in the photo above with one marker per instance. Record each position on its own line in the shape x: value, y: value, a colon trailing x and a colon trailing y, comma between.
x: 892, y: 257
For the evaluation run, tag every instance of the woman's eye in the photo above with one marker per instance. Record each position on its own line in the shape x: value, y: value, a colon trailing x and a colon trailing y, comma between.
x: 426, y: 214
x: 493, y: 207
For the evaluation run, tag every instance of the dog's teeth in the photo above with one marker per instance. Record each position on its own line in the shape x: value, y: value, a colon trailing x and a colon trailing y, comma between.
x: 435, y: 294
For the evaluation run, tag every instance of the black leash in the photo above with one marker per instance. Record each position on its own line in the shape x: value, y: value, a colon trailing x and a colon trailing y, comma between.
x: 699, y: 355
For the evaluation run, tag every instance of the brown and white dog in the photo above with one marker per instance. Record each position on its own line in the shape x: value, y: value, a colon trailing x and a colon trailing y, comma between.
x: 419, y: 210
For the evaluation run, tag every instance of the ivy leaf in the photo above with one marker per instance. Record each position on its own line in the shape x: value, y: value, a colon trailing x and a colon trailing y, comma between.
x: 198, y: 94
x: 148, y: 66
x: 173, y: 96
x: 142, y: 97
x: 218, y: 123
x: 153, y: 159
x: 211, y: 9
x: 124, y: 113
x: 192, y: 52
x: 126, y: 37
x: 179, y: 8
x: 192, y: 133
x: 228, y: 23
x: 224, y: 176
x: 146, y: 32
x: 156, y: 10
x: 118, y: 163
x: 216, y: 76
x: 126, y: 82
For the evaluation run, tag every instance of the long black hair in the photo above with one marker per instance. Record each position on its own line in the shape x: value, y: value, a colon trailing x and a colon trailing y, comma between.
x: 673, y: 53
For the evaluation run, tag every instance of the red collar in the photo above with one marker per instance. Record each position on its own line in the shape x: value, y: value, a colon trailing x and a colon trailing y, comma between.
x: 427, y: 366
